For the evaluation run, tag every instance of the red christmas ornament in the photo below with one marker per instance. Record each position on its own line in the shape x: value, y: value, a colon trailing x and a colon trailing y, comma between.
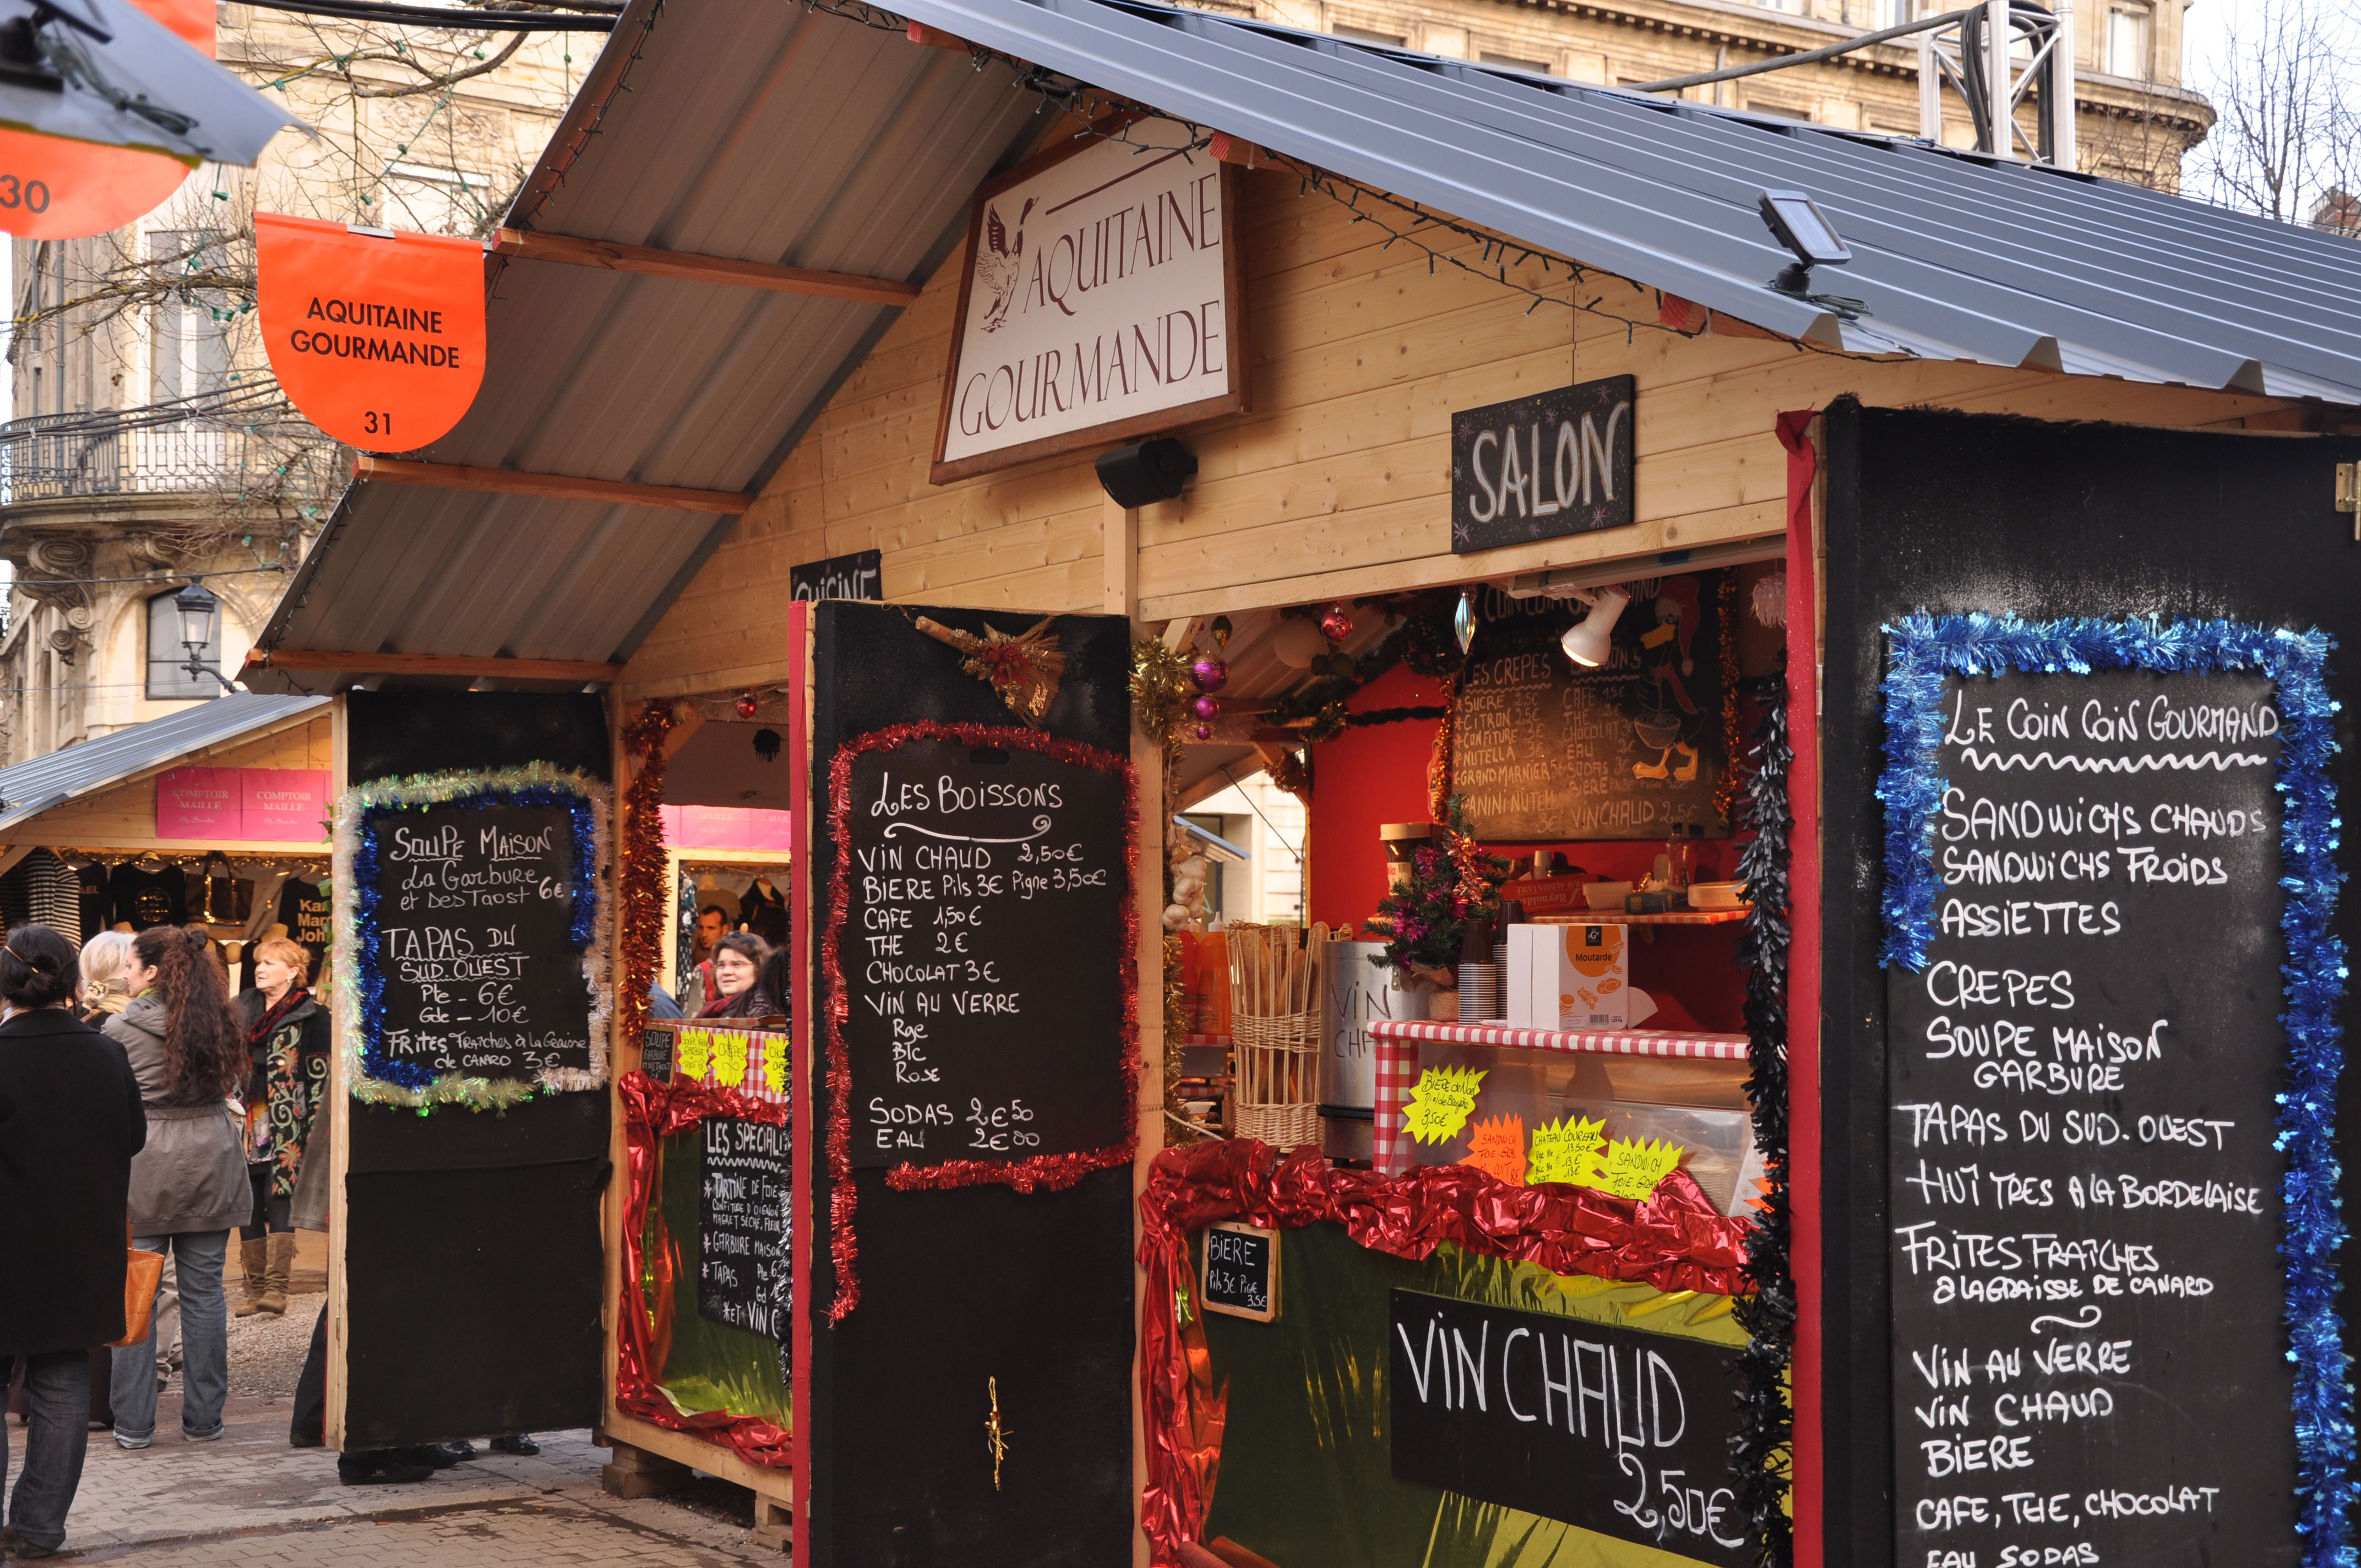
x: 1337, y: 624
x: 747, y: 706
x: 1205, y: 708
x: 1210, y: 674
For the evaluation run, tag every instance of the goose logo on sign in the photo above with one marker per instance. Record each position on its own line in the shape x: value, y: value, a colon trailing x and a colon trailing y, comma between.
x: 1103, y: 299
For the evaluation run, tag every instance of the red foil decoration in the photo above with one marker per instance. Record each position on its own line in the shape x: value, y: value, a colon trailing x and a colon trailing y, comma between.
x: 1675, y: 1240
x: 653, y: 1109
x: 1049, y: 1172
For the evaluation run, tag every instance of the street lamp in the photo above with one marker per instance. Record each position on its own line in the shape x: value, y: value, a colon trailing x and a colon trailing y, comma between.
x: 199, y: 612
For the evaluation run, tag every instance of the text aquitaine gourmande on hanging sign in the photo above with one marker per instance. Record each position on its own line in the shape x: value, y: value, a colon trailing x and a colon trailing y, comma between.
x: 378, y: 337
x: 1103, y: 298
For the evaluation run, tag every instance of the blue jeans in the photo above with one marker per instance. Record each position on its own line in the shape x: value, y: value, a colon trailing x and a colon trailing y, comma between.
x: 197, y: 1259
x: 57, y: 1410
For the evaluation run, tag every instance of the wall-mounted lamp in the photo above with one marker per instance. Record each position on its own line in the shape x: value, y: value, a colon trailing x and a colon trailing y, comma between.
x: 1145, y: 472
x: 200, y: 613
x: 1588, y: 641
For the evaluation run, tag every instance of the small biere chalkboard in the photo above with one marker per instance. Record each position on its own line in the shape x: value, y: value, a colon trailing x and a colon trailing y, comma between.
x: 1238, y: 1273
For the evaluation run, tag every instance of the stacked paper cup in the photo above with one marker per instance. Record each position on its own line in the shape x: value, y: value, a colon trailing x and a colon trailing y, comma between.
x: 1479, y: 992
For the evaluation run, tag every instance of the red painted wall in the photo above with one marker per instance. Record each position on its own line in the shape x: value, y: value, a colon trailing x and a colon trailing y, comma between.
x: 1375, y: 774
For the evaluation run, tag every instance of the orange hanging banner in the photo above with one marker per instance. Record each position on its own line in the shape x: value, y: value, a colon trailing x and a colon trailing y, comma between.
x: 378, y: 337
x: 54, y: 189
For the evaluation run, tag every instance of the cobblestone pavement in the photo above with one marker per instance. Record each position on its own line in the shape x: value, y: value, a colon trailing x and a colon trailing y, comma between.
x: 248, y: 1499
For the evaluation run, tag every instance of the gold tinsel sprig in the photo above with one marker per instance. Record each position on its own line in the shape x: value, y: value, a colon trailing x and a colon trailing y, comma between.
x: 1161, y: 688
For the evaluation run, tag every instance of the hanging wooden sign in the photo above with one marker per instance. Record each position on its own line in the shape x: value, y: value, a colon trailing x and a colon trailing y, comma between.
x: 1104, y: 297
x: 54, y: 189
x: 377, y: 336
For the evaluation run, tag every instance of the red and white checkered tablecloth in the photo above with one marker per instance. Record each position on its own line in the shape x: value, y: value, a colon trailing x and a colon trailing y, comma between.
x: 1396, y: 1041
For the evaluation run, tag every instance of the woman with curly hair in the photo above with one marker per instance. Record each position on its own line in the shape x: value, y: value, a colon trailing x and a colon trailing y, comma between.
x: 189, y: 1185
x: 287, y: 1050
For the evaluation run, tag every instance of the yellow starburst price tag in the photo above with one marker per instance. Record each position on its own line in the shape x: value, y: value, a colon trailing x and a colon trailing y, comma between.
x: 774, y: 1063
x: 729, y: 1059
x: 1633, y: 1167
x: 1441, y: 1102
x: 1566, y: 1150
x: 696, y: 1054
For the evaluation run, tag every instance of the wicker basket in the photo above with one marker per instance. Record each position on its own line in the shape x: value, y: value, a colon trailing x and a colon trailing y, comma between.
x: 1274, y: 984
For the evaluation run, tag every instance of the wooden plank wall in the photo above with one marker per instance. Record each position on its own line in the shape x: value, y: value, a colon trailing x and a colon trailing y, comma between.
x: 1338, y: 483
x: 124, y: 818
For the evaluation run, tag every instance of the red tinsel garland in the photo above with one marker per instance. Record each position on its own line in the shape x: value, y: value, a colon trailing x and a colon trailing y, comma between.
x: 653, y: 1109
x: 1675, y: 1240
x: 1042, y: 1172
x: 639, y: 884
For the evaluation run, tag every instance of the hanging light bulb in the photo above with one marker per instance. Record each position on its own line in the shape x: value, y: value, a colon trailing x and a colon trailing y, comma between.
x: 1587, y: 642
x: 1463, y: 619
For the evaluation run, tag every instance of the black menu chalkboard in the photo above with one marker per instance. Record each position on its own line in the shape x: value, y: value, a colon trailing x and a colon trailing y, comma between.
x: 1618, y: 1431
x: 475, y: 946
x: 1548, y: 750
x: 2089, y: 1361
x: 981, y: 946
x: 742, y: 1271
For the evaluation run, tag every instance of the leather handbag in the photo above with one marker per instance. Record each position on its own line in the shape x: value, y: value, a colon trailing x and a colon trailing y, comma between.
x: 142, y: 1273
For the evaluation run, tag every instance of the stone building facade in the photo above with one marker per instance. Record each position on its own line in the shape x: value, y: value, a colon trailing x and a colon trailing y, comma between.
x: 149, y: 442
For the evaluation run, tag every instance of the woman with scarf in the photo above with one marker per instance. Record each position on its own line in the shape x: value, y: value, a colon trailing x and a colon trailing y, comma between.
x: 287, y: 1077
x: 188, y: 1185
x: 739, y: 992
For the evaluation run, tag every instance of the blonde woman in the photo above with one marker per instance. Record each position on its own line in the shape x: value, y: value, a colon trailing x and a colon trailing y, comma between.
x: 105, y: 976
x: 287, y: 1077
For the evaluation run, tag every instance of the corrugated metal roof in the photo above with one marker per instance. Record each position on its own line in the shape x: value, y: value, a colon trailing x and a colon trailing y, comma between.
x: 1956, y: 256
x: 793, y: 136
x: 765, y: 134
x: 31, y: 788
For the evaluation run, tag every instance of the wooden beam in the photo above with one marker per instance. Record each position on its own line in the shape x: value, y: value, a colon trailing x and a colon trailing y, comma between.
x: 431, y: 665
x: 614, y: 256
x: 560, y: 487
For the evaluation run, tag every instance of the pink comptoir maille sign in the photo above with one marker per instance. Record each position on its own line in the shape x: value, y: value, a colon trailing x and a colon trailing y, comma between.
x: 728, y: 828
x: 199, y: 802
x: 274, y: 805
x: 285, y: 805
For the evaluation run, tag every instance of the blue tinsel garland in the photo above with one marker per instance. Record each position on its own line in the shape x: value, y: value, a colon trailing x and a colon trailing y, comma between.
x: 1924, y: 649
x: 366, y: 896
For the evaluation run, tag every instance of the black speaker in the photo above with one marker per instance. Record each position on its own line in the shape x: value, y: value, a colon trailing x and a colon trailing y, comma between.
x: 1146, y: 471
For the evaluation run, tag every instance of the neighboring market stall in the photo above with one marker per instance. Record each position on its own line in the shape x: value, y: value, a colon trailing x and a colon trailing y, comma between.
x: 1671, y: 633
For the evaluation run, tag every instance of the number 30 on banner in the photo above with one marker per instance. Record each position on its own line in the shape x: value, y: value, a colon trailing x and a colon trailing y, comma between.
x: 378, y: 337
x: 54, y: 189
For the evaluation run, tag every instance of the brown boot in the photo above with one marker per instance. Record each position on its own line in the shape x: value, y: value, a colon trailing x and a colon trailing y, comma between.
x: 251, y: 1256
x: 281, y: 1263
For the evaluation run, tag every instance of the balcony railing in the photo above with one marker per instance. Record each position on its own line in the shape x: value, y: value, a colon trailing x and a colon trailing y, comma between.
x: 160, y: 452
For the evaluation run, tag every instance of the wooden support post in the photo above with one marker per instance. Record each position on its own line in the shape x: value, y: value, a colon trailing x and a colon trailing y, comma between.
x: 636, y: 1473
x: 690, y: 267
x: 555, y: 487
x: 1119, y: 545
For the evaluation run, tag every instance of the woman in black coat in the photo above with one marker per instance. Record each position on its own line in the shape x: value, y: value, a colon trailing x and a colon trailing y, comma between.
x: 69, y: 1122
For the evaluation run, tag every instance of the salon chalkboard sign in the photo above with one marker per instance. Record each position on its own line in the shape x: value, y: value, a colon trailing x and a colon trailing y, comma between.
x: 981, y: 945
x: 475, y: 916
x: 1540, y: 467
x: 742, y: 1272
x: 1618, y: 1431
x: 1548, y: 752
x: 2089, y: 1351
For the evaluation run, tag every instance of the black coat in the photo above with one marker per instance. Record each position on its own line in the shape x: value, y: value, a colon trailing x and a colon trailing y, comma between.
x: 69, y: 1122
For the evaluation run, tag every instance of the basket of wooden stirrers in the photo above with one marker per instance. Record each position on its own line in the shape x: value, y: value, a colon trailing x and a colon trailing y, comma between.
x: 1275, y: 979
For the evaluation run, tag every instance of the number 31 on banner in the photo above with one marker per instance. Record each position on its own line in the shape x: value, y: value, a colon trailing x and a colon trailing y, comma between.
x: 377, y: 336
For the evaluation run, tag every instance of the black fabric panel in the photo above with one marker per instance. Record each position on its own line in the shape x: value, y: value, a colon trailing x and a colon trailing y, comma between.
x: 980, y: 1282
x: 467, y: 1308
x: 397, y: 732
x: 543, y: 1130
x: 1953, y: 513
x: 474, y: 1278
